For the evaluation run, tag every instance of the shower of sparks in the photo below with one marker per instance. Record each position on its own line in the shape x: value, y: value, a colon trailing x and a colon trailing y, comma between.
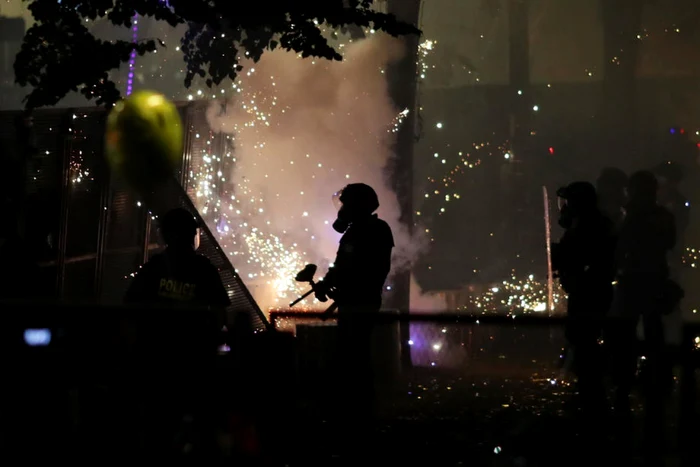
x: 263, y: 256
x: 690, y: 257
x: 78, y: 171
x: 424, y: 50
x: 440, y: 187
x: 521, y: 295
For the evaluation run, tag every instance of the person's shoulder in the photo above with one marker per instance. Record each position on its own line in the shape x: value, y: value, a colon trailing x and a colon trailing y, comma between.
x: 203, y: 261
x: 204, y: 264
x: 155, y: 261
x: 382, y: 224
x: 157, y: 258
x: 383, y: 230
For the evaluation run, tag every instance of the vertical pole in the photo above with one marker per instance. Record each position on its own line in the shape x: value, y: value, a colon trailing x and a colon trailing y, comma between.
x: 548, y: 239
x: 65, y: 144
x: 104, y: 176
x: 146, y: 236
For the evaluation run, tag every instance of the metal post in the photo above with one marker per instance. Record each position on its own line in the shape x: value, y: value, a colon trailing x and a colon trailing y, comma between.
x: 65, y: 144
x: 146, y: 237
x: 104, y: 176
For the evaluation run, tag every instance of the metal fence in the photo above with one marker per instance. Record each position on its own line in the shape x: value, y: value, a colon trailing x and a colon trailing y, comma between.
x: 83, y: 225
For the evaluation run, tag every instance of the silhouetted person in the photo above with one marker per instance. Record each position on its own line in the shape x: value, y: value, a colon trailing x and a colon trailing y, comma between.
x: 584, y: 262
x: 611, y: 187
x: 355, y: 282
x: 669, y: 176
x: 180, y: 278
x: 648, y: 234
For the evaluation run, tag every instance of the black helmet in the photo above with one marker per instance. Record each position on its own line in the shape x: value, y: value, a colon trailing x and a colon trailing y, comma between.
x: 359, y: 198
x: 178, y: 226
x: 612, y: 177
x: 579, y: 196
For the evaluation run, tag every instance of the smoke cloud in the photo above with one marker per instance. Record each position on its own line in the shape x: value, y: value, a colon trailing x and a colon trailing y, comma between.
x: 302, y: 130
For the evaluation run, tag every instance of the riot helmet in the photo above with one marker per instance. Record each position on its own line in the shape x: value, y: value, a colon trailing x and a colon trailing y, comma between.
x: 353, y: 203
x: 575, y: 200
x: 179, y: 228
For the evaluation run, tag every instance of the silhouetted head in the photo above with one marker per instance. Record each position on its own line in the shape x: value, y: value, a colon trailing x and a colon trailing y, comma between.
x: 611, y: 179
x: 611, y: 186
x: 354, y: 202
x: 179, y: 228
x: 642, y: 188
x: 576, y: 200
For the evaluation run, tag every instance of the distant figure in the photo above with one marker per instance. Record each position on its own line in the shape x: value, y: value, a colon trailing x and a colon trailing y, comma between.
x: 584, y: 262
x: 648, y: 234
x: 670, y: 176
x: 611, y: 187
x: 670, y: 197
x: 179, y: 276
x: 355, y: 282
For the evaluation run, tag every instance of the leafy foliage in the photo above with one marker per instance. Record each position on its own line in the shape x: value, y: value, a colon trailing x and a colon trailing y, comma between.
x: 60, y: 54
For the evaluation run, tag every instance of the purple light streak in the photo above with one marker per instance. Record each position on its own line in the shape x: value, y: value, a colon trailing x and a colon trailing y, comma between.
x: 132, y: 57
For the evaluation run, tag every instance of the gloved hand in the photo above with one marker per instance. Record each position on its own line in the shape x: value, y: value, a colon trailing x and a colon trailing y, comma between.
x: 321, y: 291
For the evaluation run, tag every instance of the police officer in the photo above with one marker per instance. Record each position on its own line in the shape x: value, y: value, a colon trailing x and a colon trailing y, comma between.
x: 584, y: 262
x: 362, y: 264
x: 648, y: 235
x: 179, y: 276
x: 611, y: 187
x: 355, y: 282
x: 669, y: 176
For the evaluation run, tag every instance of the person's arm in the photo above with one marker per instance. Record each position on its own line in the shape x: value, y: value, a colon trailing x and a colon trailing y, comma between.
x: 216, y: 295
x: 343, y: 262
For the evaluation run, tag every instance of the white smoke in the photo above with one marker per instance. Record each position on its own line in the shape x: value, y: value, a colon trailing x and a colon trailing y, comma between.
x: 302, y: 130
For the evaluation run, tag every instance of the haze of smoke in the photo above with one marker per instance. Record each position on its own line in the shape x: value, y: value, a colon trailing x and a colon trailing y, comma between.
x: 328, y: 127
x: 423, y: 302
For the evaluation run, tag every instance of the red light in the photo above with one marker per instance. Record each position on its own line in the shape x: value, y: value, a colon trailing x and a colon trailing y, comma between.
x: 551, y: 150
x: 682, y: 131
x: 698, y: 145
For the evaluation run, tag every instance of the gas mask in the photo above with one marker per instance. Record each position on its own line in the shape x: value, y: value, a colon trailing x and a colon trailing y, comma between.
x: 354, y: 202
x: 343, y: 219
